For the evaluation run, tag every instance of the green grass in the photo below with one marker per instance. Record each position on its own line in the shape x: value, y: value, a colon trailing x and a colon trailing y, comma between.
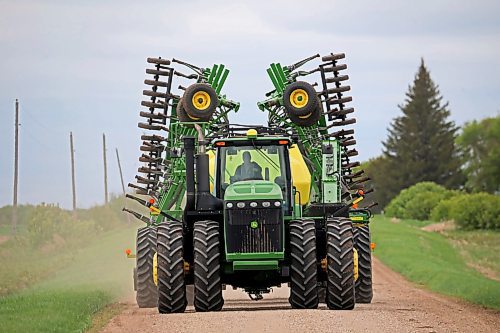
x: 430, y: 259
x: 93, y: 277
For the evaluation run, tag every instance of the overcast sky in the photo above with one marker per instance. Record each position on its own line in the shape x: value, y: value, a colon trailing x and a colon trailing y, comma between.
x: 79, y: 66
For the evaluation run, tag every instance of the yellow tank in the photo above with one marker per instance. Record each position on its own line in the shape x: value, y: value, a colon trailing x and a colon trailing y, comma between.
x: 300, y: 175
x: 211, y: 168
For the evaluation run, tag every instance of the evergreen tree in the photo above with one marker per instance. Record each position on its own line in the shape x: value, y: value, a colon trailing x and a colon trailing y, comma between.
x: 420, y: 146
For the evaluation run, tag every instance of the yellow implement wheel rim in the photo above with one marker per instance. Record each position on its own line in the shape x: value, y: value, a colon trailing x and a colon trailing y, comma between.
x: 356, y: 265
x: 201, y: 100
x: 306, y: 116
x: 299, y: 98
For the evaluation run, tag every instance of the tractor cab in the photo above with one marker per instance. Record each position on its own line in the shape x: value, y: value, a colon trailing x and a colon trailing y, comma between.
x: 253, y: 167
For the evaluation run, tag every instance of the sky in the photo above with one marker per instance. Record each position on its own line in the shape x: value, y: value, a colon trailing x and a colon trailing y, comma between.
x: 79, y: 66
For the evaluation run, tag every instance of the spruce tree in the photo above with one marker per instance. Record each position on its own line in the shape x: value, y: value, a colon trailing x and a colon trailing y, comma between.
x: 420, y: 146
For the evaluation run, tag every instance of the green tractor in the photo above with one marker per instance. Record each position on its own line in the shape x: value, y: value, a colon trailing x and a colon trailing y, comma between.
x: 252, y: 207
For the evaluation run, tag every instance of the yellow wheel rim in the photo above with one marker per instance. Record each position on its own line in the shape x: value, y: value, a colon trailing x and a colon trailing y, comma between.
x: 201, y: 100
x: 299, y: 98
x: 306, y: 116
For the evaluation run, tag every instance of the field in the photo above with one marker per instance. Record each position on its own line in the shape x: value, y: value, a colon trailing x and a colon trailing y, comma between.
x: 449, y: 262
x: 73, y: 286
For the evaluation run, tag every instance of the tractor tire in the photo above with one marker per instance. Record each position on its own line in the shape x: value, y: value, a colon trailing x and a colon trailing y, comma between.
x: 300, y: 99
x: 181, y: 113
x: 171, y: 285
x: 200, y: 101
x: 340, y: 264
x: 362, y: 241
x: 146, y: 295
x: 207, y: 270
x: 303, y: 268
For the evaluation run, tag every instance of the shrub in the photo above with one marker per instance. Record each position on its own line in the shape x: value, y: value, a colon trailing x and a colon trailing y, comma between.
x: 417, y: 201
x: 475, y: 211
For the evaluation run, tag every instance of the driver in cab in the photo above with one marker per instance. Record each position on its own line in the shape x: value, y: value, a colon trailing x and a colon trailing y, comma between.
x: 248, y: 170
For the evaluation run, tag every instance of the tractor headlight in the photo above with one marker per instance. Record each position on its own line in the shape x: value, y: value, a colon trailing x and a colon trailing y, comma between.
x: 253, y: 204
x: 266, y: 204
x: 277, y: 203
x: 240, y: 205
x: 229, y: 205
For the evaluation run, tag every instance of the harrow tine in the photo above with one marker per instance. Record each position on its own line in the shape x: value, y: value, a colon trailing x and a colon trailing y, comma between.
x: 335, y: 68
x: 335, y: 90
x: 351, y: 153
x: 336, y: 112
x: 158, y: 105
x: 153, y: 115
x: 157, y: 72
x: 348, y: 143
x: 139, y: 190
x: 137, y: 215
x: 152, y: 127
x: 354, y: 175
x: 336, y: 100
x: 373, y: 204
x: 332, y: 57
x: 153, y: 137
x: 149, y: 159
x: 342, y: 133
x: 156, y: 83
x: 158, y: 61
x: 146, y: 181
x: 190, y: 76
x: 158, y: 94
x: 150, y: 171
x: 336, y: 79
x: 343, y: 123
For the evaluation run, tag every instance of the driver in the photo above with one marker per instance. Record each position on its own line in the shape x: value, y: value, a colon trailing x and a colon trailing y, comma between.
x: 248, y: 169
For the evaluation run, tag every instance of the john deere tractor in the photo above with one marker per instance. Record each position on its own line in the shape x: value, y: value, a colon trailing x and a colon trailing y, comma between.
x: 251, y: 206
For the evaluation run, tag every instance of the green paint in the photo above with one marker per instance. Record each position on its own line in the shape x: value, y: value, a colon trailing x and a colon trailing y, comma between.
x: 255, y: 256
x: 253, y: 190
x: 255, y: 265
x: 254, y: 224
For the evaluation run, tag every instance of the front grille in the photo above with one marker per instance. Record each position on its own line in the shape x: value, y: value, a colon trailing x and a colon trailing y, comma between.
x: 266, y: 236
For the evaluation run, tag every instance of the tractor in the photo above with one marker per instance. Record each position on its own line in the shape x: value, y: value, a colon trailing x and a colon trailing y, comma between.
x: 251, y: 206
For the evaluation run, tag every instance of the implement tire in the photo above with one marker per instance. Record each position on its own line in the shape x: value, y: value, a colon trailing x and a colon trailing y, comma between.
x: 340, y: 264
x: 362, y: 241
x: 146, y: 295
x: 207, y: 270
x: 300, y: 99
x: 171, y: 285
x: 303, y: 268
x: 200, y: 101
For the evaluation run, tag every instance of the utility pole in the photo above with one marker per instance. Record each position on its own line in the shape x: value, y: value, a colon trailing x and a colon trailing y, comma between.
x: 16, y: 171
x: 121, y: 178
x: 105, y: 169
x: 73, y: 172
x: 121, y: 173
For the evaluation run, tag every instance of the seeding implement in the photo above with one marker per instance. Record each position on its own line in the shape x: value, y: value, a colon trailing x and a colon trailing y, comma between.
x: 250, y: 207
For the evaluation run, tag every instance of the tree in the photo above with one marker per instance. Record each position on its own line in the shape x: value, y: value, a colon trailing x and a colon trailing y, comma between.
x: 421, y: 142
x: 480, y: 146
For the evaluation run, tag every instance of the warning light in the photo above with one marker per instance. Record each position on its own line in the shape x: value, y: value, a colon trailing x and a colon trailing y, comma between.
x: 151, y: 201
x: 355, y: 206
x: 361, y: 192
x: 220, y: 143
x: 372, y: 246
x: 128, y: 252
x: 283, y: 142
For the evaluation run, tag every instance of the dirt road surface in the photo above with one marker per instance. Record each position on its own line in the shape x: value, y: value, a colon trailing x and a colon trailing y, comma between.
x: 398, y: 306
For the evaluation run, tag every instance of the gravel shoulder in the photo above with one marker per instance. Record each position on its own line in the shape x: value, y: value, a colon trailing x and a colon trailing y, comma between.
x: 398, y: 306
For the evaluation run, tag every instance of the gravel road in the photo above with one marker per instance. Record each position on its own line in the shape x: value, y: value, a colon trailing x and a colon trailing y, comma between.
x: 398, y: 306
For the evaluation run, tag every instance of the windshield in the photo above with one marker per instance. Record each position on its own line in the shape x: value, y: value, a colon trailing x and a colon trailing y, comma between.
x: 238, y: 163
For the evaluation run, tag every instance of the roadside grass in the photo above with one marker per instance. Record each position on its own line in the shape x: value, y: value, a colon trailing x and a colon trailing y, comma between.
x: 480, y: 249
x: 94, y: 276
x: 430, y: 259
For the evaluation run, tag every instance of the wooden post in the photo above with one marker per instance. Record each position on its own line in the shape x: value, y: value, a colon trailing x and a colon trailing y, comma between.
x: 121, y: 178
x: 105, y: 169
x: 16, y: 171
x: 73, y: 185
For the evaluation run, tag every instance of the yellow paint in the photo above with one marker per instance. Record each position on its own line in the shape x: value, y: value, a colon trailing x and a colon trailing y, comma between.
x: 299, y: 98
x: 356, y: 268
x: 357, y: 218
x: 300, y: 175
x: 201, y: 100
x: 252, y: 133
x: 155, y: 268
x: 211, y: 168
x: 324, y: 264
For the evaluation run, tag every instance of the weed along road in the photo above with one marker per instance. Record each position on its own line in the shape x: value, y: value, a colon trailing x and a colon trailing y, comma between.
x: 398, y: 306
